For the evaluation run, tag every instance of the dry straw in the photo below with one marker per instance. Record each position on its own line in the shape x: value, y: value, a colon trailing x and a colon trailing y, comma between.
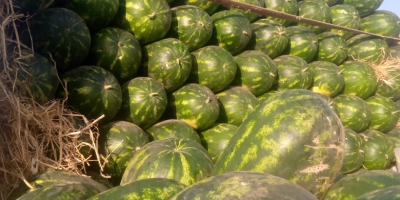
x: 33, y: 137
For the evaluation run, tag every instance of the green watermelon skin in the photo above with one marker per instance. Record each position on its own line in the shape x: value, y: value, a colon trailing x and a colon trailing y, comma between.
x: 266, y: 95
x: 378, y: 151
x: 120, y: 141
x: 389, y: 85
x: 61, y: 33
x: 195, y: 104
x: 381, y: 23
x: 293, y: 126
x: 359, y: 183
x: 117, y: 51
x: 191, y: 25
x: 330, y: 102
x: 269, y: 37
x: 152, y: 188
x: 249, y: 15
x: 327, y: 78
x: 367, y: 48
x: 96, y: 14
x: 256, y: 72
x: 353, y: 152
x: 144, y: 101
x: 213, y: 67
x: 293, y: 73
x: 394, y: 136
x: 172, y: 128
x: 345, y: 15
x: 208, y: 6
x: 147, y: 20
x: 216, y: 138
x: 364, y: 7
x: 167, y: 61
x: 359, y: 79
x: 232, y: 31
x: 289, y: 7
x: 303, y: 42
x: 384, y: 113
x: 92, y: 91
x: 244, y: 185
x: 353, y: 111
x: 183, y: 160
x: 389, y: 193
x: 316, y: 10
x: 332, y: 48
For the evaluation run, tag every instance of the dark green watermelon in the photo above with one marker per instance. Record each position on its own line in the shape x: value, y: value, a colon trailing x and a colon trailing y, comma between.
x: 118, y: 51
x: 394, y: 136
x: 250, y: 15
x: 256, y: 72
x: 354, y: 112
x: 389, y: 82
x: 331, y: 47
x: 293, y: 73
x: 183, y: 160
x: 317, y: 10
x: 327, y: 78
x: 244, y: 185
x: 294, y: 135
x: 148, y: 20
x: 384, y: 113
x: 381, y: 23
x: 269, y: 37
x: 289, y: 7
x: 378, y: 151
x: 345, y: 15
x: 144, y: 101
x: 303, y: 42
x: 213, y: 67
x: 389, y: 193
x: 167, y: 61
x: 172, y: 128
x: 367, y: 48
x: 364, y: 7
x: 353, y: 152
x: 209, y: 6
x: 191, y: 25
x: 92, y: 91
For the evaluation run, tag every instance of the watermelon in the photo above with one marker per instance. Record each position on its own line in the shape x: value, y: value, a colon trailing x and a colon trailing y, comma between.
x: 191, y: 25
x: 359, y: 79
x: 381, y: 23
x: 208, y: 6
x: 367, y: 48
x: 250, y: 15
x: 327, y: 78
x: 293, y: 126
x: 92, y: 91
x: 215, y: 138
x: 389, y: 193
x: 354, y: 112
x: 120, y: 140
x: 353, y: 152
x: 59, y: 34
x: 117, y: 51
x: 314, y: 9
x: 183, y: 160
x: 29, y: 7
x: 289, y: 7
x: 195, y: 104
x: 331, y: 47
x: 394, y: 136
x: 148, y: 20
x: 235, y: 103
x: 293, y: 73
x: 378, y: 151
x: 303, y: 42
x: 266, y: 95
x: 152, y: 188
x: 97, y: 14
x: 232, y: 31
x: 384, y: 113
x: 347, y: 16
x: 172, y: 128
x: 213, y: 67
x: 357, y: 184
x: 389, y: 83
x: 144, y: 101
x: 167, y: 61
x: 269, y: 37
x: 244, y: 185
x: 256, y: 72
x: 364, y: 7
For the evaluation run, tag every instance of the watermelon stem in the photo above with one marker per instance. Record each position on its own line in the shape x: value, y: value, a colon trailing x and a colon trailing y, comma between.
x: 106, y: 87
x: 152, y: 15
x: 154, y: 94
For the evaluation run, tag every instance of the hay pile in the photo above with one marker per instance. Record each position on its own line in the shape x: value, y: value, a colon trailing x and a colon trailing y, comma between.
x: 33, y: 137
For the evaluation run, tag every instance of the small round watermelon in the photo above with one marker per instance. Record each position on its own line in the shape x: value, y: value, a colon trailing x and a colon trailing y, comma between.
x: 366, y: 48
x: 293, y: 73
x: 172, y: 128
x: 353, y: 152
x: 327, y: 78
x: 303, y: 42
x: 317, y: 10
x: 384, y: 112
x: 378, y: 151
x: 289, y: 7
x: 331, y: 47
x: 345, y: 15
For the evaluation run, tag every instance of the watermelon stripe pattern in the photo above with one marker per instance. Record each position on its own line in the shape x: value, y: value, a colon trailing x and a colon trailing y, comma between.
x: 353, y: 152
x: 367, y: 48
x: 293, y: 73
x: 314, y: 9
x: 303, y: 42
x: 378, y: 151
x: 290, y: 7
x: 327, y: 78
x: 381, y: 23
x: 331, y: 47
x: 347, y: 16
x: 172, y: 128
x: 384, y: 113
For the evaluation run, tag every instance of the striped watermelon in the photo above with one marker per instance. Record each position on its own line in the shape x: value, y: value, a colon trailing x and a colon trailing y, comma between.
x: 191, y: 25
x: 208, y: 6
x: 118, y: 51
x: 382, y: 23
x: 317, y: 10
x: 195, y: 104
x: 392, y: 192
x: 364, y: 7
x: 244, y: 185
x: 250, y: 15
x: 294, y: 135
x: 235, y: 104
x: 384, y: 113
x: 213, y: 67
x: 92, y: 91
x: 354, y: 112
x: 256, y: 72
x: 394, y: 136
x: 144, y: 101
x: 183, y: 160
x: 303, y: 42
x: 293, y: 73
x: 172, y: 128
x: 266, y: 95
x: 389, y: 84
x: 367, y: 48
x: 216, y: 138
x: 327, y: 78
x: 353, y: 152
x: 289, y: 7
x: 331, y: 47
x: 347, y: 16
x: 378, y: 151
x: 269, y: 37
x: 167, y: 61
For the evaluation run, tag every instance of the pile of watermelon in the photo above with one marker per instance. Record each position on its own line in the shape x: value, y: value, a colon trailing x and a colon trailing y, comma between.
x: 200, y: 101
